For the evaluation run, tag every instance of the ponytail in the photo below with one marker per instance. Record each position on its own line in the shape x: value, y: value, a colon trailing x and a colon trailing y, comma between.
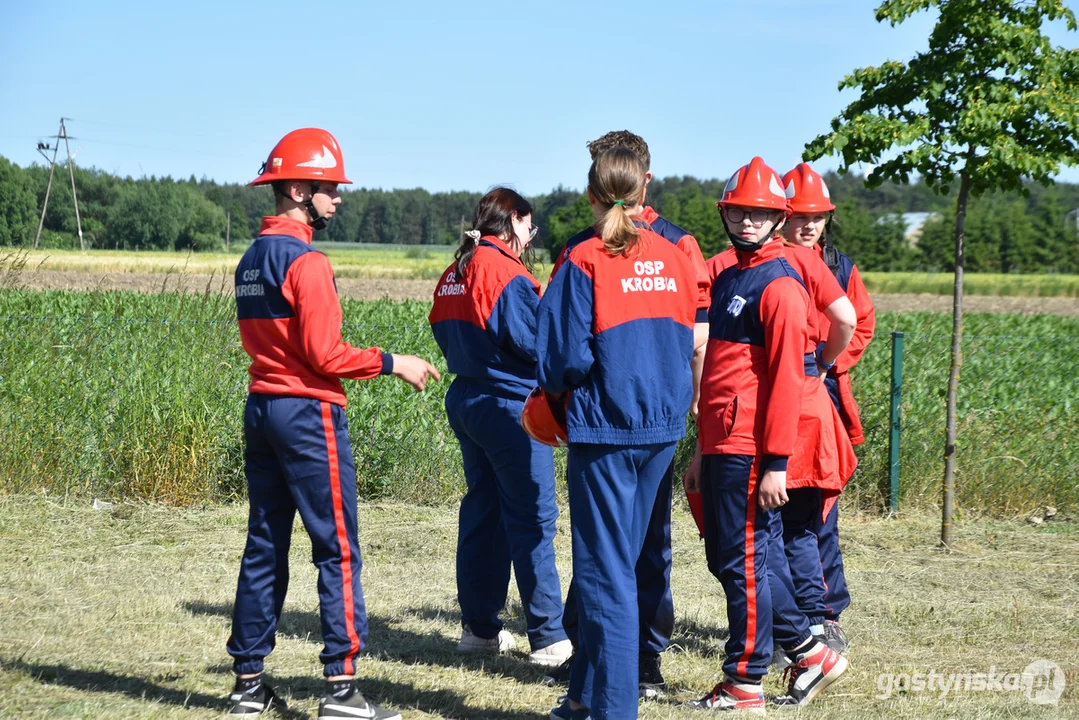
x: 616, y: 180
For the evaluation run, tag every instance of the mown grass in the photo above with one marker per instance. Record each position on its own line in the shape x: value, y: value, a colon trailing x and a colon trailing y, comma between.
x: 122, y: 395
x: 125, y: 613
x: 1044, y: 285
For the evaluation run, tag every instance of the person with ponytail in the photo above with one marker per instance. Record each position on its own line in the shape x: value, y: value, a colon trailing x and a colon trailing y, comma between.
x: 811, y: 227
x: 615, y: 341
x: 484, y: 320
x: 754, y: 377
x: 654, y: 598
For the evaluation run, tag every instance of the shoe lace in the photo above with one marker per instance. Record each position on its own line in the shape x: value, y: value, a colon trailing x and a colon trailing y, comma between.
x: 793, y: 671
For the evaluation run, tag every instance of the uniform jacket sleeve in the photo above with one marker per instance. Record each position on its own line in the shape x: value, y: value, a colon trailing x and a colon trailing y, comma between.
x: 692, y: 250
x: 309, y: 288
x: 564, y: 331
x: 784, y: 305
x: 512, y: 322
x: 867, y: 320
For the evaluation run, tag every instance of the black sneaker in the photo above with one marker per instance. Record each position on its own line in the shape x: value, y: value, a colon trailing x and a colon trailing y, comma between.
x: 253, y: 700
x: 834, y: 637
x: 650, y: 682
x: 343, y: 700
x: 560, y: 674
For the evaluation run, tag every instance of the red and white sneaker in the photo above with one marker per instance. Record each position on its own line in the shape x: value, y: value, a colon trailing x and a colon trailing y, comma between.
x: 813, y: 671
x: 731, y: 696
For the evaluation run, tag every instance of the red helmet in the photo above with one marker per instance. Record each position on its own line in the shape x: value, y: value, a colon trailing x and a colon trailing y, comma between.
x: 807, y: 190
x: 304, y: 154
x: 696, y: 509
x: 757, y: 186
x: 544, y: 418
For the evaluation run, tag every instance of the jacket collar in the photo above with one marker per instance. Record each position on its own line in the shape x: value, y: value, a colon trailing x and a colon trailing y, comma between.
x: 772, y: 250
x: 278, y: 225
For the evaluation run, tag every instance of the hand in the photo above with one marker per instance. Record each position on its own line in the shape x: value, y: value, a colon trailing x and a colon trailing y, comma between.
x: 772, y: 491
x: 691, y: 481
x: 414, y: 370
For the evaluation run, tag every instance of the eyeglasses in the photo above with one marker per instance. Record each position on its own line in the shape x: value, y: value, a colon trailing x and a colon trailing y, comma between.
x: 533, y: 231
x: 757, y: 217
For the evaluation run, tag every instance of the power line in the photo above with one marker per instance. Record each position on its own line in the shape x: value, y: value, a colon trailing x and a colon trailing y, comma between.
x: 43, y: 148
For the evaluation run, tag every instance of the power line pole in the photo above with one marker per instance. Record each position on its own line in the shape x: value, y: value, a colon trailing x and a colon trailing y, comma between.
x: 71, y: 169
x: 61, y: 134
x: 41, y: 148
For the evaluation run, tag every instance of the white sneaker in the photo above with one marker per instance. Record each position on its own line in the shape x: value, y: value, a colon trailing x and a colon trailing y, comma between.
x: 470, y: 643
x: 552, y: 655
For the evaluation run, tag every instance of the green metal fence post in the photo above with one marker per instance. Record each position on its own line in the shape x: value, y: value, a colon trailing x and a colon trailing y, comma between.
x: 893, y: 442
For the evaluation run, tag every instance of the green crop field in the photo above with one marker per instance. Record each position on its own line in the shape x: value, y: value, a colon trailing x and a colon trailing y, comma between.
x: 1046, y: 285
x: 122, y: 395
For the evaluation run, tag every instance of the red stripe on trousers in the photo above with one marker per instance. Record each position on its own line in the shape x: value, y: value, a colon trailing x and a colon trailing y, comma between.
x: 342, y: 538
x: 751, y: 576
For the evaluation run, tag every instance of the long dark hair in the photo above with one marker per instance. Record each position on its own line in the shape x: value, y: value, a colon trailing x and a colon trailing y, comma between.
x: 493, y: 216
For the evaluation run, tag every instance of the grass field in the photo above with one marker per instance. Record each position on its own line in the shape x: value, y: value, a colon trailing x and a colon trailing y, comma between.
x: 125, y: 613
x: 428, y: 261
x: 122, y: 395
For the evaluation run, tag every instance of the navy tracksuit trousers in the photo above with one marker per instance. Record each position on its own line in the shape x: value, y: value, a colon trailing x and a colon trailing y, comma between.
x: 507, y: 516
x: 655, y: 604
x: 801, y: 520
x: 744, y: 547
x: 612, y: 493
x: 836, y: 597
x: 297, y: 457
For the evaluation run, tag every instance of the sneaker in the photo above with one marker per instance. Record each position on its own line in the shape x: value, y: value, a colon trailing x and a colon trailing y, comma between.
x: 253, y: 701
x: 501, y: 643
x: 560, y: 674
x: 834, y: 637
x: 730, y: 696
x: 650, y: 682
x: 553, y: 655
x: 348, y: 702
x: 564, y: 712
x: 812, y: 672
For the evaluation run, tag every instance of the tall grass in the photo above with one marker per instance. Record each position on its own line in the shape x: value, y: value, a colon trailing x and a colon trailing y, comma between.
x: 127, y: 395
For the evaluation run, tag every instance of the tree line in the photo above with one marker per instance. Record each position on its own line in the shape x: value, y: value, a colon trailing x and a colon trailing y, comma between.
x: 1006, y: 232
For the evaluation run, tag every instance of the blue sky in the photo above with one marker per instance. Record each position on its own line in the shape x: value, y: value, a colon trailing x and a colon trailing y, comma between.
x: 446, y: 96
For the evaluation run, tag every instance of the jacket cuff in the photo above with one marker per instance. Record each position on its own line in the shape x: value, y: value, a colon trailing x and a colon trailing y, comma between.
x: 774, y: 462
x: 387, y: 364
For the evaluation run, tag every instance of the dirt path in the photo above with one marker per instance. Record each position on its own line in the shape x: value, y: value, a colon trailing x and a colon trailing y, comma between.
x: 372, y: 289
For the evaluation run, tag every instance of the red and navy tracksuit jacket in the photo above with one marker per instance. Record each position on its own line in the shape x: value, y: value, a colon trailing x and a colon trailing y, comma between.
x: 297, y: 454
x: 630, y: 320
x: 838, y: 379
x: 682, y: 240
x: 485, y: 323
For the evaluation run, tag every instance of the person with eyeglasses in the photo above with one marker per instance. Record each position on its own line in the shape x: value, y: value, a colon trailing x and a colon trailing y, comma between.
x: 484, y: 320
x: 753, y: 382
x: 824, y: 458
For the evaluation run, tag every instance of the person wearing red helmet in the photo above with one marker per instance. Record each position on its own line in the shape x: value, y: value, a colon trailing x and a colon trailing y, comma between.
x: 484, y: 320
x: 654, y: 598
x: 616, y: 333
x: 297, y: 452
x: 754, y: 374
x: 810, y: 224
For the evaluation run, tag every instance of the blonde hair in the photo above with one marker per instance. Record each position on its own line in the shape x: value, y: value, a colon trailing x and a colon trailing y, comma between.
x: 617, y: 179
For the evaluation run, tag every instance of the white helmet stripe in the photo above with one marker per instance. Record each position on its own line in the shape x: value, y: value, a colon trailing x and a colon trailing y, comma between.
x: 776, y: 188
x: 731, y: 184
x: 790, y: 189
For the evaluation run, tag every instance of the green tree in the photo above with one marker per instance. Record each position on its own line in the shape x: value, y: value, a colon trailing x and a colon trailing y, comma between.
x: 18, y: 206
x: 567, y: 222
x: 989, y: 103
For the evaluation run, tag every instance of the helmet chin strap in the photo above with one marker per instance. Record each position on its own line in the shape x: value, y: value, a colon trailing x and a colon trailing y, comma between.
x: 745, y: 245
x: 318, y: 222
